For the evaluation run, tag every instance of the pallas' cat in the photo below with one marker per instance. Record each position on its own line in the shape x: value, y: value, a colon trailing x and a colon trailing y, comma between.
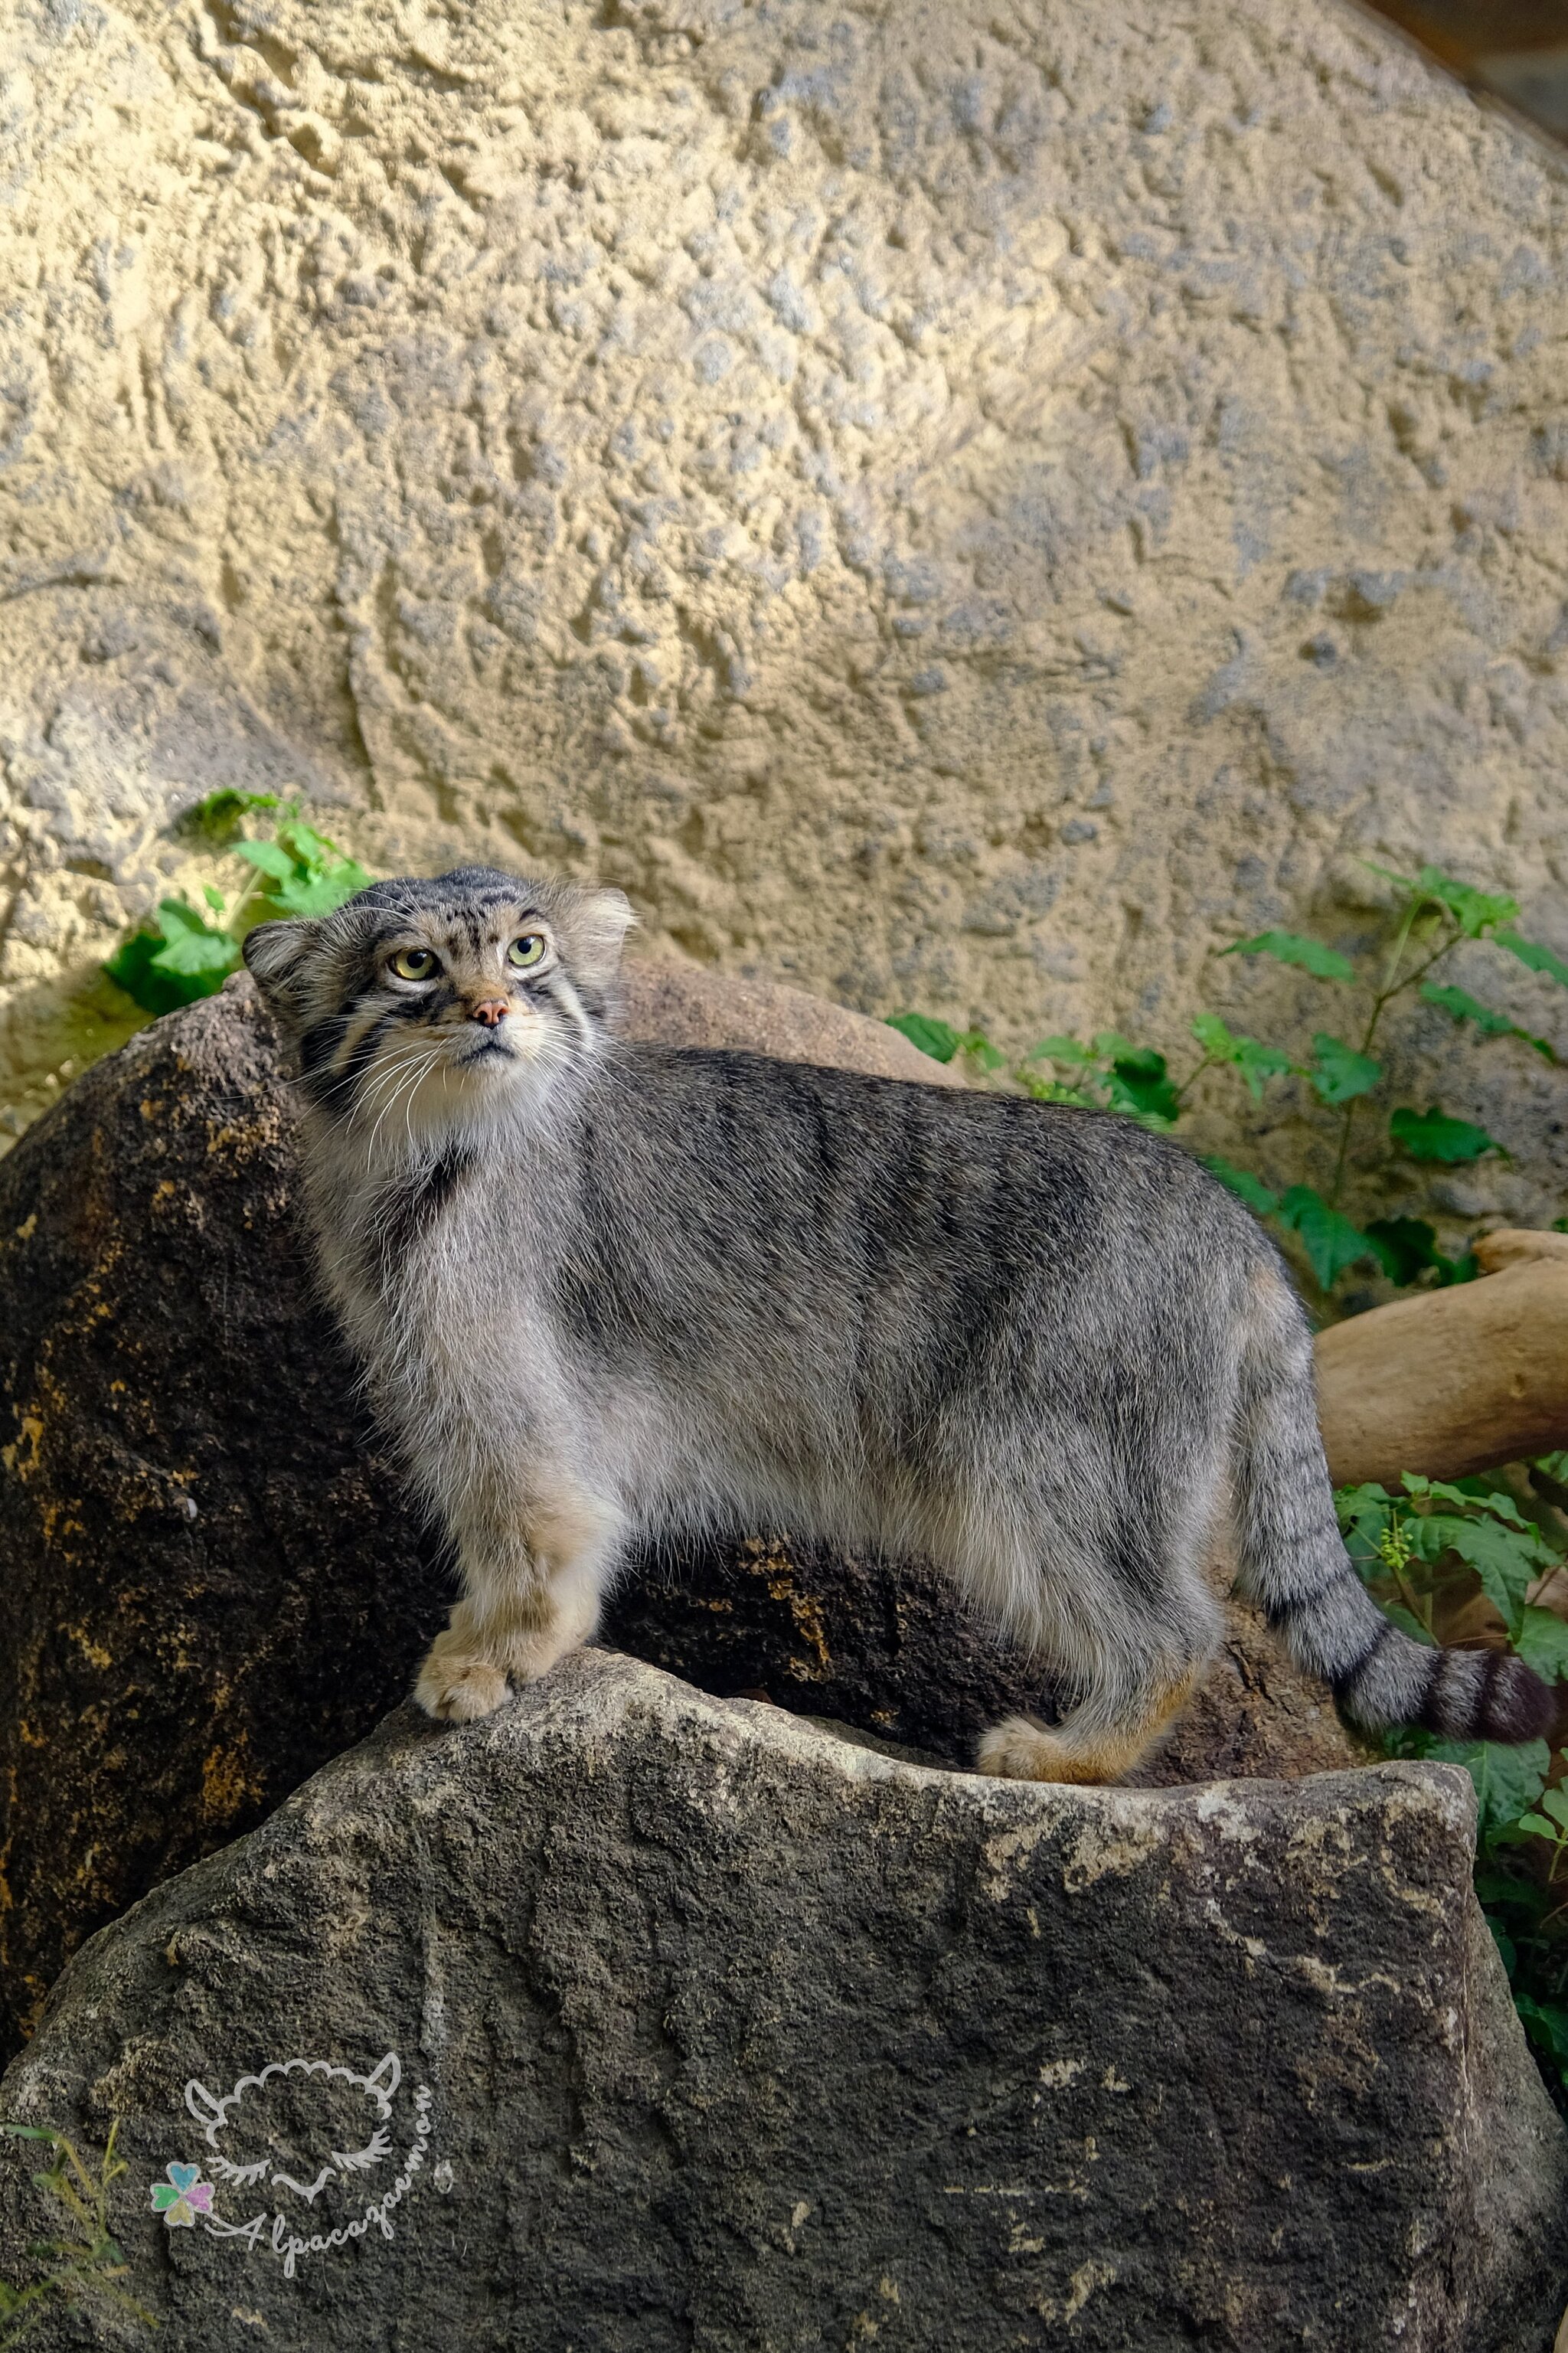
x: 607, y: 1290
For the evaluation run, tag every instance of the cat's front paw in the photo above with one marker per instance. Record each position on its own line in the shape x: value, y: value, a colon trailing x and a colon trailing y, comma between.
x: 457, y: 1686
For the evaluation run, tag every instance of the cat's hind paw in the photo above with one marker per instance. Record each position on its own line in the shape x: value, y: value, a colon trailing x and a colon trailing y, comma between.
x: 457, y: 1687
x: 1020, y: 1749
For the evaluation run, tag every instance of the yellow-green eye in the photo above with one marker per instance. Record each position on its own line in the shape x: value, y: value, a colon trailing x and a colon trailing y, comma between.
x: 414, y: 963
x: 526, y: 950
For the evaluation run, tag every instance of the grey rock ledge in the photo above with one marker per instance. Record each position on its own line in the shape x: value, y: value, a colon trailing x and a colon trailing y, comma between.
x: 712, y: 2031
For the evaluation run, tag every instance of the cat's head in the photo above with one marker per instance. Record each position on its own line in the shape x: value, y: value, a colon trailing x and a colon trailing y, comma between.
x: 421, y: 1005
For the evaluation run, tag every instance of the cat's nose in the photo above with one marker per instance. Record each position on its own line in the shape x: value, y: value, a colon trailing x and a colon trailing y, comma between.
x: 490, y: 1011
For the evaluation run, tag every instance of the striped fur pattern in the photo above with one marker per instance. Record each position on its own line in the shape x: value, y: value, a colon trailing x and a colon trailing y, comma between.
x: 607, y: 1291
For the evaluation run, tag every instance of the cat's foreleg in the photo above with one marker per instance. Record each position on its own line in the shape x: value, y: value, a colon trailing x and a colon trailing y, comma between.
x: 534, y: 1564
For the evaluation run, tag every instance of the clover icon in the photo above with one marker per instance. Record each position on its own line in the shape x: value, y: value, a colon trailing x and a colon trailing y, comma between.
x: 182, y: 2196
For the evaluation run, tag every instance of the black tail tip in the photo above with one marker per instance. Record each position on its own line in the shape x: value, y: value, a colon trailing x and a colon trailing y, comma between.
x: 1487, y: 1696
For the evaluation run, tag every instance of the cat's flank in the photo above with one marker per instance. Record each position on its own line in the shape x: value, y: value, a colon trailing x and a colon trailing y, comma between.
x: 607, y: 1290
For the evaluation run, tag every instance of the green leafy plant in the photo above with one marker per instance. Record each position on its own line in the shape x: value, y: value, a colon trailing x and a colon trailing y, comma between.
x: 1429, y: 1550
x: 83, y: 2262
x: 189, y: 954
x: 1434, y: 915
x: 1462, y: 1561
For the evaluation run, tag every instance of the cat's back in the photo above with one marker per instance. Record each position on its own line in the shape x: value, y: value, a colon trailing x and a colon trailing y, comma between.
x: 932, y: 1168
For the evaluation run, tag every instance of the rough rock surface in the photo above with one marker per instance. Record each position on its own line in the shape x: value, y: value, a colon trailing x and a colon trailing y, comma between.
x: 214, y: 1579
x: 710, y: 2030
x: 681, y: 1005
x: 881, y: 1645
x: 958, y: 507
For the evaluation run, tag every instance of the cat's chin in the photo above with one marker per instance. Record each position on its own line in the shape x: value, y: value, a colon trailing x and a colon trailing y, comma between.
x: 473, y: 1091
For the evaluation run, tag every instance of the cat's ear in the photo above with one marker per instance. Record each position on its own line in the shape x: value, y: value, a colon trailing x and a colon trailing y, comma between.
x: 277, y: 955
x: 207, y: 2108
x: 600, y: 921
x: 385, y: 2080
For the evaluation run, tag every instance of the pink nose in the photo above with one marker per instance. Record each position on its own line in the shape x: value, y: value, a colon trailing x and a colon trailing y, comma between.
x: 490, y: 1011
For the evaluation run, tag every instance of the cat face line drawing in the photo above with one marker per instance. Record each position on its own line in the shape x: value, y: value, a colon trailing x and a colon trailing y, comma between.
x: 235, y: 2109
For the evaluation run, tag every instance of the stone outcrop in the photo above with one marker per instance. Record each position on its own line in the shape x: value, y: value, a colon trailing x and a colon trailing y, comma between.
x: 215, y: 1581
x: 954, y: 507
x: 685, y: 2024
x: 681, y: 1005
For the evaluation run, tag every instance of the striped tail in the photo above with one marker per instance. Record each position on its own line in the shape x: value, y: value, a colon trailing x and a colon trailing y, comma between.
x: 1294, y: 1562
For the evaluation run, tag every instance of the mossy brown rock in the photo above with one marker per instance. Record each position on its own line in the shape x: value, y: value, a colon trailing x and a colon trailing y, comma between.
x: 687, y: 2026
x: 216, y: 1580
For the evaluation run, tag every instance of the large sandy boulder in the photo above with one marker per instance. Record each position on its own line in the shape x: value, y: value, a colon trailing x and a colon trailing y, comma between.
x: 949, y: 505
x: 215, y: 1579
x: 632, y: 2017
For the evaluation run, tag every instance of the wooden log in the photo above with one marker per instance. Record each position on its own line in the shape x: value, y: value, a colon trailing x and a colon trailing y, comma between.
x: 1453, y: 1381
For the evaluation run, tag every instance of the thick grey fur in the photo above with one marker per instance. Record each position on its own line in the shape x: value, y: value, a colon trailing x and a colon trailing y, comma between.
x: 605, y: 1292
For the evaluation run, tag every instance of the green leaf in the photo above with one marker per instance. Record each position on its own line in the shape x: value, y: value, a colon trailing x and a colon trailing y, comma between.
x: 191, y: 950
x: 130, y: 968
x: 1541, y: 1643
x: 1531, y: 953
x: 318, y: 895
x: 1342, y: 1074
x: 1215, y: 1037
x: 161, y: 972
x: 217, y: 816
x: 1369, y: 1503
x: 1465, y: 1494
x: 978, y: 1047
x: 1537, y: 1826
x: 1405, y: 1247
x: 1555, y: 1803
x: 1290, y: 947
x: 1408, y: 1246
x: 1498, y: 1889
x: 1506, y: 1561
x: 937, y: 1039
x: 1257, y: 1062
x: 1330, y: 1241
x: 310, y: 848
x: 1137, y: 1082
x: 1433, y: 1135
x: 1060, y: 1049
x: 1508, y: 1780
x: 1461, y: 1007
x: 267, y: 856
x: 1475, y: 912
x: 1047, y: 1090
x: 1546, y: 2024
x: 1241, y: 1181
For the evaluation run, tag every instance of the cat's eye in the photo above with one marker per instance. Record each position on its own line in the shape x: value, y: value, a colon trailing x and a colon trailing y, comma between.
x: 526, y: 950
x: 414, y: 963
